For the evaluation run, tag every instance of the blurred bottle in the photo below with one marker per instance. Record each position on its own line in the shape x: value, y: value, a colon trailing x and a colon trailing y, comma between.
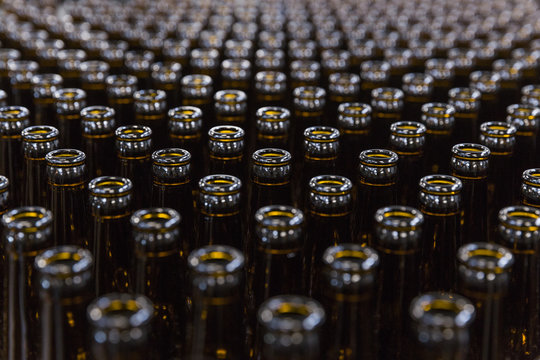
x: 439, y: 121
x: 120, y: 90
x: 21, y: 73
x: 69, y: 102
x: 374, y: 74
x: 69, y: 63
x: 93, y: 76
x: 489, y: 85
x: 443, y: 72
x: 197, y: 90
x: 166, y: 77
x: 98, y: 124
x: 342, y: 87
x: 466, y: 102
x: 44, y: 86
x: 272, y: 128
x: 226, y: 147
x: 231, y: 108
x: 150, y: 110
x: 138, y: 63
x: 387, y: 104
x: 418, y: 90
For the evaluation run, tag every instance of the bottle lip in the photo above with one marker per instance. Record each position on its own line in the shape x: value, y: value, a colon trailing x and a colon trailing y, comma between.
x: 437, y: 63
x: 47, y: 80
x: 149, y: 96
x: 321, y: 134
x: 351, y: 258
x: 196, y: 81
x: 378, y: 158
x: 65, y: 158
x: 236, y: 64
x: 498, y: 129
x: 531, y: 90
x: 185, y: 113
x: 71, y: 54
x: 97, y: 113
x: 440, y: 110
x: 23, y: 65
x: 120, y: 311
x: 122, y: 80
x: 470, y: 152
x: 205, y: 52
x: 226, y: 133
x: 523, y: 111
x: 344, y: 78
x: 387, y: 94
x: 330, y: 185
x: 485, y: 257
x: 9, y: 54
x: 485, y: 81
x: 4, y: 184
x: 230, y: 96
x: 272, y: 77
x: 167, y: 67
x: 520, y: 218
x: 464, y: 94
x: 69, y: 95
x: 416, y: 79
x: 273, y: 113
x: 27, y: 219
x: 139, y: 55
x: 13, y: 113
x: 155, y: 220
x: 94, y: 66
x: 220, y: 184
x: 408, y: 129
x: 442, y: 310
x: 291, y: 313
x: 305, y: 65
x: 270, y: 157
x: 309, y: 93
x: 399, y: 218
x: 64, y: 262
x: 110, y: 186
x: 279, y: 217
x: 439, y: 184
x: 133, y: 133
x: 40, y: 133
x: 216, y: 260
x: 171, y: 157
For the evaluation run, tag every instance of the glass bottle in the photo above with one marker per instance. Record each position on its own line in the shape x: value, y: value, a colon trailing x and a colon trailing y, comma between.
x: 304, y: 73
x: 21, y: 73
x: 374, y: 74
x: 226, y: 147
x: 120, y: 90
x: 166, y: 77
x: 418, y: 90
x: 197, y: 90
x: 150, y: 108
x: 69, y: 63
x: 69, y: 102
x: 309, y: 102
x: 270, y: 89
x: 387, y: 104
x: 7, y: 55
x: 236, y: 74
x: 231, y: 108
x: 442, y: 71
x: 138, y: 63
x: 489, y: 85
x: 98, y: 124
x: 93, y: 75
x: 4, y: 197
x: 342, y: 88
x: 113, y: 54
x: 438, y: 119
x: 44, y: 86
x: 466, y: 102
x: 272, y: 127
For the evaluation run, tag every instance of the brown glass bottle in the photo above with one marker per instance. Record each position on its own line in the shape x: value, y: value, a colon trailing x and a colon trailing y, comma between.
x: 27, y: 231
x: 69, y: 62
x: 120, y: 327
x: 440, y: 203
x: 158, y: 273
x: 231, y: 108
x: 93, y: 75
x: 347, y: 291
x: 150, y: 110
x: 387, y: 104
x: 133, y: 154
x: 216, y: 281
x: 281, y: 316
x: 376, y: 187
x: 177, y: 50
x: 197, y: 90
x: 7, y: 55
x: 466, y: 102
x: 166, y: 77
x: 439, y: 121
x: 120, y: 90
x: 484, y: 278
x: 418, y: 90
x: 113, y: 54
x: 464, y: 62
x: 226, y: 147
x: 354, y: 124
x: 510, y: 72
x: 309, y: 102
x: 269, y: 59
x: 342, y: 88
x: 398, y: 240
x: 21, y: 73
x: 489, y: 85
x: 270, y: 89
x: 443, y: 72
x: 44, y: 86
x: 206, y: 61
x: 69, y: 102
x: 236, y: 74
x: 272, y: 128
x: 65, y: 290
x: 4, y: 199
x: 374, y: 74
x: 138, y: 63
x: 304, y: 73
x: 98, y: 124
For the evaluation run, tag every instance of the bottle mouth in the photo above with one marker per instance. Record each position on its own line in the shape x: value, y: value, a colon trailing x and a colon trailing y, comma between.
x: 209, y: 53
x: 440, y: 185
x: 531, y: 177
x: 185, y: 114
x: 120, y: 81
x: 69, y: 95
x: 171, y: 157
x: 71, y: 55
x: 417, y: 79
x: 167, y: 68
x: 321, y: 134
x: 351, y: 258
x: 64, y: 261
x: 330, y: 185
x: 354, y: 109
x: 216, y: 260
x: 40, y: 133
x: 442, y: 310
x: 271, y: 157
x: 9, y: 54
x: 305, y: 66
x: 439, y: 110
x: 270, y: 77
x: 28, y: 219
x: 94, y: 66
x: 4, y: 184
x: 485, y: 257
x: 345, y: 79
x: 23, y: 66
x: 375, y: 67
x: 110, y: 186
x: 230, y: 96
x: 532, y: 91
x: 273, y: 113
x: 97, y: 113
x: 155, y: 220
x: 134, y: 56
x: 65, y: 158
x: 236, y: 65
x: 226, y: 133
x: 471, y: 152
x: 197, y: 81
x: 378, y: 158
x: 13, y: 113
x: 485, y: 81
x: 149, y: 96
x: 291, y: 313
x: 523, y: 111
x: 47, y: 80
x: 520, y: 218
x: 497, y: 129
x: 309, y: 93
x: 133, y: 133
x: 408, y: 129
x: 120, y: 311
x: 399, y: 218
x: 220, y: 185
x: 279, y: 217
x: 439, y: 64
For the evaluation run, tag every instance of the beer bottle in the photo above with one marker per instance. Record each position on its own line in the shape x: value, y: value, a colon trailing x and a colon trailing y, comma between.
x: 138, y: 63
x: 302, y: 50
x: 518, y: 231
x: 4, y: 204
x: 529, y: 59
x: 376, y: 187
x: 197, y: 90
x: 464, y: 62
x: 309, y: 102
x: 470, y: 164
x: 13, y: 119
x: 304, y: 73
x: 113, y: 54
x: 283, y: 316
x: 270, y: 89
x: 500, y: 138
x: 205, y: 61
x: 272, y: 128
x: 93, y: 75
x: 158, y: 251
x: 3, y: 98
x: 21, y: 73
x: 438, y: 119
x: 347, y: 290
x: 7, y: 55
x: 342, y: 88
x: 422, y: 51
x: 530, y: 95
x: 98, y: 126
x: 466, y: 102
x: 334, y: 61
x: 120, y: 327
x: 177, y: 50
x: 374, y: 74
x: 172, y: 188
x: 150, y: 110
x: 231, y: 107
x: 387, y: 104
x: 219, y: 219
x: 69, y: 102
x: 440, y: 203
x: 434, y: 314
x: 484, y: 278
x: 66, y: 177
x: 226, y: 147
x: 489, y: 85
x: 269, y: 59
x: 443, y: 72
x: 418, y: 90
x: 398, y: 240
x: 27, y: 231
x: 44, y: 86
x: 510, y: 72
x: 37, y: 142
x: 133, y: 152
x: 65, y: 290
x: 238, y: 49
x: 216, y: 292
x: 236, y: 74
x: 69, y: 64
x: 166, y: 77
x: 120, y: 90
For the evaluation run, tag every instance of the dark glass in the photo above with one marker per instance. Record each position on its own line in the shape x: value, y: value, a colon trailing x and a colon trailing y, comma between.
x: 376, y: 187
x: 120, y: 327
x: 21, y: 73
x: 273, y: 128
x: 236, y: 74
x: 4, y: 205
x: 347, y: 290
x: 65, y: 290
x: 215, y: 327
x: 206, y: 62
x: 510, y: 72
x: 93, y: 75
x: 13, y: 119
x: 440, y: 203
x: 374, y: 74
x: 400, y: 60
x: 197, y: 90
x: 442, y: 71
x: 342, y: 88
x: 334, y: 61
x: 69, y: 102
x: 113, y: 54
x: 484, y: 278
x: 281, y: 316
x: 44, y: 86
x: 133, y: 153
x: 166, y: 77
x: 98, y: 124
x: 269, y: 59
x: 27, y: 231
x: 464, y: 62
x: 176, y: 50
x: 354, y: 124
x: 309, y: 102
x: 7, y: 55
x: 158, y: 273
x: 270, y: 89
x: 418, y: 90
x: 466, y: 102
x: 438, y: 119
x: 37, y: 142
x: 3, y: 98
x: 151, y: 110
x: 226, y: 151
x: 489, y: 85
x: 120, y: 90
x: 69, y: 63
x: 231, y: 108
x: 138, y: 63
x: 398, y: 240
x: 304, y: 73
x: 387, y: 104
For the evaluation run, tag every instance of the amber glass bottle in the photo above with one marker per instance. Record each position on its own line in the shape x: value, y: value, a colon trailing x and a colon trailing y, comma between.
x: 443, y: 72
x: 270, y: 89
x: 197, y: 90
x: 150, y: 110
x: 342, y: 88
x: 354, y: 124
x: 439, y: 121
x: 120, y: 90
x: 69, y: 102
x: 138, y: 63
x: 373, y: 74
x: 387, y: 104
x: 21, y: 73
x: 272, y: 126
x: 93, y: 76
x: 418, y: 90
x: 69, y: 63
x: 466, y: 102
x: 489, y: 85
x: 236, y: 74
x: 309, y: 102
x: 98, y: 124
x: 44, y: 86
x: 226, y: 147
x: 166, y: 77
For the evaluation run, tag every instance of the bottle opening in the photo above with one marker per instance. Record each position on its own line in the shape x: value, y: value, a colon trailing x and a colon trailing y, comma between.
x: 97, y: 113
x: 351, y: 258
x: 520, y: 218
x: 440, y: 185
x: 498, y: 129
x: 110, y: 186
x: 216, y: 260
x: 120, y: 311
x: 288, y: 313
x: 155, y: 220
x: 39, y: 133
x: 185, y: 113
x: 438, y: 110
x: 133, y: 133
x: 442, y: 310
x: 273, y: 113
x: 330, y: 185
x: 279, y: 217
x: 69, y: 95
x: 378, y: 158
x: 65, y: 157
x: 531, y: 177
x: 64, y: 261
x: 13, y: 113
x: 226, y: 133
x: 150, y: 95
x: 471, y: 152
x: 271, y: 157
x: 321, y: 134
x: 171, y: 157
x: 27, y: 219
x: 486, y: 257
x: 220, y: 185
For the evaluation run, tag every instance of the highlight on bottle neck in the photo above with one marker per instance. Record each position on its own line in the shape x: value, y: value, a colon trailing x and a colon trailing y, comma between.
x: 66, y: 167
x: 69, y: 100
x: 226, y: 141
x: 305, y: 71
x: 216, y: 260
x: 273, y: 121
x: 156, y: 229
x: 438, y: 117
x: 440, y: 194
x: 21, y: 72
x: 185, y: 121
x: 110, y: 193
x: 4, y: 194
x: 171, y: 166
x: 519, y: 227
x: 27, y: 227
x: 279, y: 225
x: 378, y: 166
x: 236, y: 69
x: 387, y: 99
x: 344, y: 84
x: 150, y: 101
x: 219, y: 195
x: 499, y: 137
x: 13, y: 119
x: 321, y: 142
x: 399, y: 228
x: 330, y: 195
x: 375, y: 71
x: 417, y: 85
x: 354, y: 117
x: 133, y: 141
x: 407, y: 137
x: 38, y: 140
x: 98, y: 120
x: 526, y: 118
x: 230, y: 102
x: 269, y: 59
x: 197, y: 86
x: 286, y: 314
x: 484, y: 266
x: 270, y: 82
x: 442, y: 70
x: 168, y: 72
x: 121, y: 86
x: 470, y: 161
x: 309, y: 98
x: 45, y: 85
x: 94, y: 72
x: 66, y: 268
x: 487, y: 82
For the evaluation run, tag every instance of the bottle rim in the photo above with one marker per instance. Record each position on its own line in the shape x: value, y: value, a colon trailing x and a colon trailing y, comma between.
x: 120, y: 311
x: 309, y: 93
x: 520, y: 218
x: 185, y: 114
x: 155, y: 220
x: 65, y: 158
x: 149, y: 96
x: 442, y: 310
x: 69, y: 95
x: 330, y: 185
x: 470, y: 152
x: 133, y: 133
x: 110, y: 186
x: 40, y: 133
x: 13, y: 113
x: 196, y: 81
x: 408, y: 129
x: 351, y: 258
x: 4, y: 184
x: 399, y: 218
x: 485, y: 257
x: 439, y: 184
x: 321, y: 134
x: 226, y: 133
x: 354, y: 109
x: 64, y: 262
x: 378, y: 158
x: 498, y: 129
x: 271, y: 157
x: 216, y: 260
x: 435, y: 109
x: 220, y: 184
x: 97, y: 113
x: 171, y: 157
x: 291, y: 313
x: 387, y: 94
x: 47, y: 80
x: 279, y: 217
x: 273, y: 114
x: 122, y: 80
x: 230, y: 96
x: 27, y: 219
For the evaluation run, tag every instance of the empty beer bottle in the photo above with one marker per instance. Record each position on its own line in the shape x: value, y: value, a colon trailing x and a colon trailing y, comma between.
x: 387, y: 104
x: 197, y: 90
x: 376, y: 187
x: 231, y: 107
x: 518, y: 231
x: 484, y: 278
x: 464, y: 62
x: 69, y: 63
x: 304, y: 73
x: 270, y: 89
x: 13, y: 119
x: 98, y: 124
x: 442, y: 71
x: 138, y: 63
x: 166, y: 77
x: 434, y: 314
x: 398, y: 240
x: 93, y: 76
x: 530, y: 188
x: 279, y: 318
x: 27, y: 231
x: 206, y: 61
x: 309, y: 102
x: 269, y: 59
x: 158, y: 251
x: 440, y: 203
x: 7, y: 55
x: 113, y: 54
x: 69, y: 102
x: 4, y: 199
x: 37, y: 142
x: 226, y: 147
x: 374, y: 74
x: 44, y: 86
x: 21, y: 73
x: 120, y: 327
x: 216, y: 291
x: 510, y: 72
x: 272, y: 128
x: 150, y: 110
x: 342, y: 88
x: 65, y: 290
x: 3, y: 98
x: 177, y: 50
x: 347, y: 290
x: 466, y: 102
x: 418, y: 90
x: 354, y: 124
x: 120, y: 90
x: 489, y: 85
x: 133, y: 153
x: 439, y: 121
x: 236, y: 74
